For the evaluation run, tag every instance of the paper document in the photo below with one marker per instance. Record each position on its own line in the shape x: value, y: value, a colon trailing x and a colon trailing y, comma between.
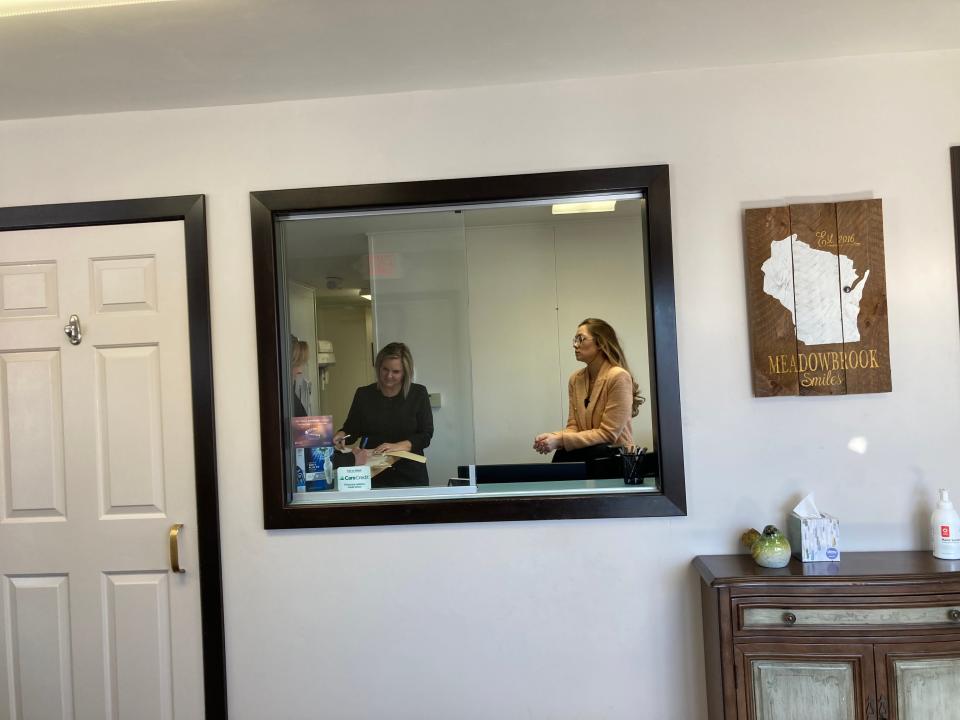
x: 406, y: 455
x: 381, y: 461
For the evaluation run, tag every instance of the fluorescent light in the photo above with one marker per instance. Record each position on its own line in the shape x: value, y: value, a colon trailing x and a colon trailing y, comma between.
x: 568, y: 208
x: 367, y: 297
x: 11, y: 8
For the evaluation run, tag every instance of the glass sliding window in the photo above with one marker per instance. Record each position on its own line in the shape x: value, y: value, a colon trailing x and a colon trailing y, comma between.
x: 487, y: 302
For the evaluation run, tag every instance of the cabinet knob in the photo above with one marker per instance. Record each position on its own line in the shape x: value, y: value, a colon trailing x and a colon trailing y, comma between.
x: 953, y: 614
x: 789, y: 618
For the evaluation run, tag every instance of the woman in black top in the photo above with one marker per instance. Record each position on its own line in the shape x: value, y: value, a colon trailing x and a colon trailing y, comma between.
x: 391, y: 414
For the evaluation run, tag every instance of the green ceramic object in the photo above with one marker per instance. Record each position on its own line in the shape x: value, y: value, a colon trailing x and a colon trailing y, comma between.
x: 769, y: 549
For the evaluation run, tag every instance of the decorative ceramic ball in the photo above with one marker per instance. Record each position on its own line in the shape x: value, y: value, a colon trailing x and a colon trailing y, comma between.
x: 769, y: 549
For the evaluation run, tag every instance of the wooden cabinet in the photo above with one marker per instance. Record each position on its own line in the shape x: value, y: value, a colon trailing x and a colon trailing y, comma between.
x: 875, y: 636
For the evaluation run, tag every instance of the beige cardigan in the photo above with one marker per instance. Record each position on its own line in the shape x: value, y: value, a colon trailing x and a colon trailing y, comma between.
x: 606, y: 419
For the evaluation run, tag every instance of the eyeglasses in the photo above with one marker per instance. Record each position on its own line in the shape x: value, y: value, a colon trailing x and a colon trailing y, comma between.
x: 580, y: 339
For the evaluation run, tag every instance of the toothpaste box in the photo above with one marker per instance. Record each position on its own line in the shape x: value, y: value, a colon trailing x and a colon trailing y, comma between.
x: 315, y: 467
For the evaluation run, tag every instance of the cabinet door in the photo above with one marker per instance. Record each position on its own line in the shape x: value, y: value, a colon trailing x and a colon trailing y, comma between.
x: 799, y: 681
x: 918, y: 681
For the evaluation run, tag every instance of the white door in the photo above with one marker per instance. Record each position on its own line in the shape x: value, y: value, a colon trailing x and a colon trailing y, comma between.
x: 96, y: 464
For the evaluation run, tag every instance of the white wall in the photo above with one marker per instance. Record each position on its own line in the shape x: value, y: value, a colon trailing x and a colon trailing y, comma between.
x: 424, y: 305
x: 604, y: 279
x: 561, y: 619
x: 530, y: 284
x: 513, y: 340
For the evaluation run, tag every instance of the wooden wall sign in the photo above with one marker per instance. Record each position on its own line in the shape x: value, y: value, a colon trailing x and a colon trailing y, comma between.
x: 817, y: 299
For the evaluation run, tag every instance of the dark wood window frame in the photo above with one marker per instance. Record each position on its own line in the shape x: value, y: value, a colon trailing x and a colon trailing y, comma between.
x: 653, y: 182
x: 191, y: 210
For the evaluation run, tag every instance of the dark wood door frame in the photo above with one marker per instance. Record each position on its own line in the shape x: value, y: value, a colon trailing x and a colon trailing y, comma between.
x: 955, y: 173
x: 192, y: 211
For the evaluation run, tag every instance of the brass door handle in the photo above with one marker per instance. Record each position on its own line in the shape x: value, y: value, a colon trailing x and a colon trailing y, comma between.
x: 175, y: 548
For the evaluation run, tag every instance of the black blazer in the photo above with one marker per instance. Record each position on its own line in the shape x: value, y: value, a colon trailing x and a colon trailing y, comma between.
x: 380, y: 419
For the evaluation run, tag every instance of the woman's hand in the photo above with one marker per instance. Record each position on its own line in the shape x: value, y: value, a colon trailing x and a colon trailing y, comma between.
x: 339, y: 440
x: 360, y: 456
x: 387, y: 447
x: 547, y: 442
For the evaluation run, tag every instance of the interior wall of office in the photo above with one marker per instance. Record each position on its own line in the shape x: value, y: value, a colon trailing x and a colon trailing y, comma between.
x: 561, y: 619
x: 489, y: 312
x: 530, y: 285
x: 425, y: 306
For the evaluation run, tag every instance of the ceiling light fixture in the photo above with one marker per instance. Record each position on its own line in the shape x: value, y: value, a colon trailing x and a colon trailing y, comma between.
x: 569, y: 208
x: 13, y: 8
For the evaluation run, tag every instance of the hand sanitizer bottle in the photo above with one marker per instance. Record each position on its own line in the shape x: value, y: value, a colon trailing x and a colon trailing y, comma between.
x: 945, y: 529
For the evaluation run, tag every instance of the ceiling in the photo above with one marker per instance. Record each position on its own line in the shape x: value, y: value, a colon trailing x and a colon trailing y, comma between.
x: 193, y: 53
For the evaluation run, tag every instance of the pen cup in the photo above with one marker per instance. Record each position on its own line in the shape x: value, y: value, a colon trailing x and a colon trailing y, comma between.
x: 632, y: 462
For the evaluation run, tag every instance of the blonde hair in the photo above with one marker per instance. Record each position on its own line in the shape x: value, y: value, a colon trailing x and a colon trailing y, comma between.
x: 609, y: 344
x: 402, y: 353
x: 299, y: 352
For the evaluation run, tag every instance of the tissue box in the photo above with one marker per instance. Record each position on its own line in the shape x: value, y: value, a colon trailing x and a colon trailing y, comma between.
x: 814, y: 539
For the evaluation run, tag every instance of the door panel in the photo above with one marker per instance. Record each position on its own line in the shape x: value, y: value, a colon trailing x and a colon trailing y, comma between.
x: 38, y: 627
x: 919, y: 681
x: 32, y: 474
x: 97, y: 463
x: 28, y: 289
x: 791, y: 690
x: 131, y: 429
x: 124, y: 284
x: 138, y: 645
x: 804, y: 682
x: 928, y: 688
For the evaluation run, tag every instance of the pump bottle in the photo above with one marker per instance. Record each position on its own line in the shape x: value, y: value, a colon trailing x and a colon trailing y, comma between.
x: 945, y: 529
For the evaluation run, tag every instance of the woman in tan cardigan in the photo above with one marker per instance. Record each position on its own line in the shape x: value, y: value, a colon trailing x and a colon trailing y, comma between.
x: 603, y: 398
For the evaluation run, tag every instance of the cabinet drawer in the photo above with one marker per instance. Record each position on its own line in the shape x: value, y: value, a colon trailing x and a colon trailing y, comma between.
x: 795, y: 614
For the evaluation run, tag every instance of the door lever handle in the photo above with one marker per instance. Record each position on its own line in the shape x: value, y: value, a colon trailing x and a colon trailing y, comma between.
x: 175, y: 548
